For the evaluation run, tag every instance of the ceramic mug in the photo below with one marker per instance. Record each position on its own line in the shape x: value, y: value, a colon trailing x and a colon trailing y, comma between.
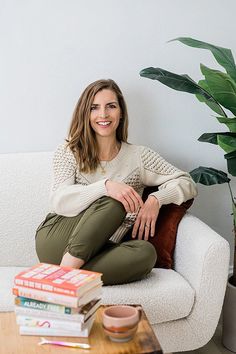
x: 120, y: 322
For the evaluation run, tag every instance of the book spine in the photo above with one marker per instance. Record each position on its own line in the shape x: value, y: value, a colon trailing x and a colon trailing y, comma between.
x: 60, y: 299
x: 42, y: 331
x: 46, y: 296
x: 43, y: 287
x: 88, y: 282
x: 82, y: 317
x: 34, y: 321
x: 43, y: 306
x: 53, y: 315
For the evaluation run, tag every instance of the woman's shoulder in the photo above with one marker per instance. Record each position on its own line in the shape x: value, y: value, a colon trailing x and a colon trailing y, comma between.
x: 63, y: 152
x: 140, y: 149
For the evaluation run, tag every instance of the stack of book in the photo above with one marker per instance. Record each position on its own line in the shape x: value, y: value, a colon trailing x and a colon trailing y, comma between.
x: 56, y: 301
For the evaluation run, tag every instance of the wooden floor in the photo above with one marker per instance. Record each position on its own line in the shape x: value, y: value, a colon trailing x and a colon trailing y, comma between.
x: 213, y: 347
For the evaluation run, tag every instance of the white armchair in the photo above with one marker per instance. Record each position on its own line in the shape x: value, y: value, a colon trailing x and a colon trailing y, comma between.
x: 183, y: 305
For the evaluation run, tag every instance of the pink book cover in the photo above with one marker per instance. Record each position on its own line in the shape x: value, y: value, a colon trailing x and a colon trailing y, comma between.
x: 57, y: 279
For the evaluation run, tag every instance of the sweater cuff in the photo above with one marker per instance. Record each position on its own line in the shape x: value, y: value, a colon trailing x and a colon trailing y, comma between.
x: 102, y: 186
x: 168, y: 196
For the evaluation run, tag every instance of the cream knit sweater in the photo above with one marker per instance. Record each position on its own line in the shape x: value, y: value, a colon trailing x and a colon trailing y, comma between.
x: 138, y: 166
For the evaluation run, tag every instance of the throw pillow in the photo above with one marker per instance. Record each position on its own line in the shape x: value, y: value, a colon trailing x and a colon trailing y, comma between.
x: 166, y: 228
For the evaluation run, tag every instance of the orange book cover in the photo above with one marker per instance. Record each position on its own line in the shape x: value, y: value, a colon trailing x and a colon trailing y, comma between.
x: 57, y: 279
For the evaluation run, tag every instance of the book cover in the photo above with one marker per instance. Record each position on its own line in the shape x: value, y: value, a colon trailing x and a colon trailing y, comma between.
x: 76, y: 314
x: 46, y: 296
x: 34, y: 321
x: 49, y: 307
x: 57, y: 279
x: 44, y: 331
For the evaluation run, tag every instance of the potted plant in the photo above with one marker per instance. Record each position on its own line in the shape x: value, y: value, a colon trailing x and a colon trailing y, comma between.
x: 217, y: 89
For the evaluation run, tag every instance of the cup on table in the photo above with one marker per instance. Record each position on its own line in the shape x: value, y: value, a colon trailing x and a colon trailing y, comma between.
x: 120, y: 322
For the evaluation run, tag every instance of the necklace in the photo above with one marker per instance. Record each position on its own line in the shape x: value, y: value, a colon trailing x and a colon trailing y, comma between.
x: 103, y: 166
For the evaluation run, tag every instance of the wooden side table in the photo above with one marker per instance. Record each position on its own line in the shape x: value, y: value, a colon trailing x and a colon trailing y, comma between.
x: 144, y: 341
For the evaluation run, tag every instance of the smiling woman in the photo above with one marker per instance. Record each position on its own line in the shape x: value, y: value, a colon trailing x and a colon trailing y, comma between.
x: 96, y: 196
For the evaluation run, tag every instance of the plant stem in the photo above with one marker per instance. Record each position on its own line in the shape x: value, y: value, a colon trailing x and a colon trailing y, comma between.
x: 233, y: 278
x: 231, y: 193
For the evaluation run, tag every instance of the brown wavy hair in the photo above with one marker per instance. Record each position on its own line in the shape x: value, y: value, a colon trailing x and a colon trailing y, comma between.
x: 81, y: 137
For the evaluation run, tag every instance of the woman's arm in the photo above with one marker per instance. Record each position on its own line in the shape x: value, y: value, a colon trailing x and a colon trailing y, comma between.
x: 68, y: 198
x: 175, y: 186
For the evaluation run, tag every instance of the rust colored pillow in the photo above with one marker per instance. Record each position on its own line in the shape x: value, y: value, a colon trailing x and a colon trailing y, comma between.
x: 166, y: 228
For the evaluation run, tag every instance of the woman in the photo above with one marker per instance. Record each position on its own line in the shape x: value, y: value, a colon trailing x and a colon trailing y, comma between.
x: 96, y: 196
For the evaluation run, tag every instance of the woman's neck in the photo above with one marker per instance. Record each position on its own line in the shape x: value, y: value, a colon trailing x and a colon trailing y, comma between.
x: 108, y: 149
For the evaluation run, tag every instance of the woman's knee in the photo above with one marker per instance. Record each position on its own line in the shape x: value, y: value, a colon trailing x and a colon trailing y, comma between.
x: 113, y: 206
x: 151, y: 254
x: 146, y: 253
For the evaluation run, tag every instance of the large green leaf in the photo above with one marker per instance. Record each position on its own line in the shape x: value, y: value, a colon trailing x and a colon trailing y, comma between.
x: 175, y: 81
x: 222, y: 87
x: 222, y: 55
x: 227, y: 143
x: 214, y: 105
x: 230, y: 122
x: 231, y: 162
x: 212, y: 138
x: 209, y: 176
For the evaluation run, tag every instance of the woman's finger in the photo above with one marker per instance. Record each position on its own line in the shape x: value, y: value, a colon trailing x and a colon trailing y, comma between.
x: 141, y: 230
x: 135, y: 203
x: 153, y: 224
x: 146, y: 230
x: 135, y: 228
x: 130, y: 202
x: 125, y: 204
x: 138, y: 200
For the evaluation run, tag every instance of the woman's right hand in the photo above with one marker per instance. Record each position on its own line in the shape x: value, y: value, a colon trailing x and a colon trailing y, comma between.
x: 125, y: 194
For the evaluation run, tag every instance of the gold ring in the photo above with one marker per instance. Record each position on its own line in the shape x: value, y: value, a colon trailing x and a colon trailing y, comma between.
x: 147, y: 225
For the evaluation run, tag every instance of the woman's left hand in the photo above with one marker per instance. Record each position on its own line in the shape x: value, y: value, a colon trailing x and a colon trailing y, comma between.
x: 146, y: 219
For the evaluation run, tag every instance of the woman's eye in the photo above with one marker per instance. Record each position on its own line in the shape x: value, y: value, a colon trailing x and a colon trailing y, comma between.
x: 112, y: 106
x: 93, y: 108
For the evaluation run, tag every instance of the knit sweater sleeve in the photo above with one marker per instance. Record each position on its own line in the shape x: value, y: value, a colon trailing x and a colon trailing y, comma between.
x: 174, y: 186
x: 67, y: 197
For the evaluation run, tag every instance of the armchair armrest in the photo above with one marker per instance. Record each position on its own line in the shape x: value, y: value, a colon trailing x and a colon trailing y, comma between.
x: 199, y: 252
x: 202, y: 258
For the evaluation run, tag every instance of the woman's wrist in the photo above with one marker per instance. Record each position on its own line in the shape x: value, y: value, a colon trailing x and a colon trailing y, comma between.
x: 154, y: 200
x: 107, y: 182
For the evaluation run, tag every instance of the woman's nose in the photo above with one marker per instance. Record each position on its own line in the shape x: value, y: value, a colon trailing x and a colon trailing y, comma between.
x: 103, y: 113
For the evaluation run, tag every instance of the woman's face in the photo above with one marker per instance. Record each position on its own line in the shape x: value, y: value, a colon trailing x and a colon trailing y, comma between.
x: 105, y: 114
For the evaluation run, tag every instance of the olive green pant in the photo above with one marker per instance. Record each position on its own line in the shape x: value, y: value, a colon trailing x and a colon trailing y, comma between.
x: 86, y: 236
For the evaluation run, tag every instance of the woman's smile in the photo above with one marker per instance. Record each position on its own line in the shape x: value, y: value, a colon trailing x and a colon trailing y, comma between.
x: 104, y: 123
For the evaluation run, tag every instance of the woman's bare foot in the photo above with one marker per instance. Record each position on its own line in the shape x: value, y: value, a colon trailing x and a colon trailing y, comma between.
x: 71, y: 261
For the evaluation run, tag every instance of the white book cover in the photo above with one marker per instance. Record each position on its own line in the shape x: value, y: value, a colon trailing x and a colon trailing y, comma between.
x: 33, y: 321
x: 43, y: 331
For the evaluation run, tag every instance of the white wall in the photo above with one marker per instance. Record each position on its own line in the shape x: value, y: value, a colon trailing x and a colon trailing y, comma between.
x: 51, y: 49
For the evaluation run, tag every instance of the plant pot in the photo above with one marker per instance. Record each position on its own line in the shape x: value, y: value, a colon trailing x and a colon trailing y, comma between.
x: 229, y: 318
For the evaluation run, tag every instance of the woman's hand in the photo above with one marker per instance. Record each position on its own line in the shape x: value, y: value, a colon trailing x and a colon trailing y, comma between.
x: 146, y: 219
x: 125, y: 194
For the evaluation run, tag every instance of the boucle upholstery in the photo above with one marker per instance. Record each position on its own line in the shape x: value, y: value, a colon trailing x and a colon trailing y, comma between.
x: 183, y: 305
x: 24, y: 191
